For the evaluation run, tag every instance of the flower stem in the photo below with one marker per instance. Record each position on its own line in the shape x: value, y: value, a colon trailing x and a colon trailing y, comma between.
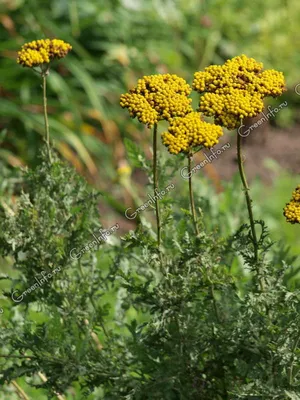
x: 44, y: 78
x: 247, y: 195
x: 155, y: 184
x: 248, y: 201
x: 44, y: 379
x: 191, y: 193
x: 20, y: 391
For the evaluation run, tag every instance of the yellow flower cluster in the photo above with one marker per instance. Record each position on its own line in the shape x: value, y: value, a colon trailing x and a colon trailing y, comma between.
x: 42, y: 52
x: 230, y: 108
x: 190, y: 131
x: 235, y: 90
x: 139, y: 107
x: 292, y: 209
x: 158, y: 97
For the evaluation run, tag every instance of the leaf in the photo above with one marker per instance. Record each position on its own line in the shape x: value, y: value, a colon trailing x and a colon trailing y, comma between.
x: 2, y: 135
x: 135, y: 154
x: 292, y: 395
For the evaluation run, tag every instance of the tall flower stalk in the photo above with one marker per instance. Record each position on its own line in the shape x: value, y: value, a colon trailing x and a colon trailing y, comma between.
x: 250, y: 211
x: 155, y: 185
x: 156, y: 98
x: 191, y: 194
x: 39, y: 54
x: 234, y: 91
x: 44, y: 75
x: 247, y: 196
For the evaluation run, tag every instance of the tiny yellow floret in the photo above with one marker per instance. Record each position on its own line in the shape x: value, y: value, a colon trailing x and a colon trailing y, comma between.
x: 236, y: 89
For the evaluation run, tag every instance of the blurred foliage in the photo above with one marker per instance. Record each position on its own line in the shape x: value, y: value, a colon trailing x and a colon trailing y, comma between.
x: 125, y: 321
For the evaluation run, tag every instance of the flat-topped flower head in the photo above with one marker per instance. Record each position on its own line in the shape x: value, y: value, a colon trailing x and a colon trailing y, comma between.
x: 190, y: 131
x: 236, y: 89
x: 228, y: 109
x: 158, y: 97
x: 292, y: 209
x: 42, y: 51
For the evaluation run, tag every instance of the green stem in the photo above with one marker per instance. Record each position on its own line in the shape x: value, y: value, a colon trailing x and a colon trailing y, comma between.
x: 249, y: 205
x: 155, y: 184
x: 93, y: 301
x: 44, y: 78
x: 247, y: 195
x: 191, y: 194
x: 20, y: 391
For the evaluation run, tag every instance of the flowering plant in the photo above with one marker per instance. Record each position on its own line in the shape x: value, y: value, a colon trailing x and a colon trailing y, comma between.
x: 189, y: 314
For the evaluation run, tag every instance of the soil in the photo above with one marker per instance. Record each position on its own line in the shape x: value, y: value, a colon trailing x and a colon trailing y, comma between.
x: 283, y: 146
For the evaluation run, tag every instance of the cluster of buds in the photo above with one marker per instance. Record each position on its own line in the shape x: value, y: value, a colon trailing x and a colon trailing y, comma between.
x: 42, y: 51
x: 292, y: 209
x: 158, y: 97
x: 166, y: 97
x: 190, y: 131
x: 236, y: 89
